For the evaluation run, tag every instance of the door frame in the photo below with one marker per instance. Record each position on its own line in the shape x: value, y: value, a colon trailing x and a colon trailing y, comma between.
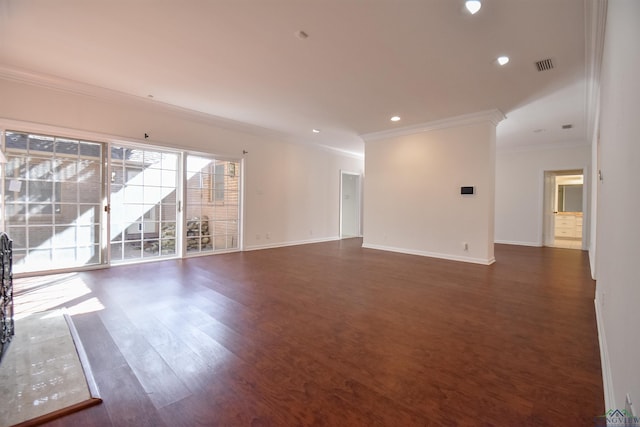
x: 548, y: 193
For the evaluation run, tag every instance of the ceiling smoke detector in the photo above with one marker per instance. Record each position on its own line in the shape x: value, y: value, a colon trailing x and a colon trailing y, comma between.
x: 544, y: 65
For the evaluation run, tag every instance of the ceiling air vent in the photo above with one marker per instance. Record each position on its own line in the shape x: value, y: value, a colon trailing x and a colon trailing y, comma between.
x: 569, y: 126
x: 544, y: 65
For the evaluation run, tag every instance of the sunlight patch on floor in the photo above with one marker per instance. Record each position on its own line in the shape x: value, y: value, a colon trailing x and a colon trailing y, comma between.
x: 37, y: 294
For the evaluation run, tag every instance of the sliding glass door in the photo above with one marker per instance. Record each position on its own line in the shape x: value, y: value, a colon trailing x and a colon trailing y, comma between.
x: 56, y: 209
x: 212, y: 205
x: 143, y: 203
x: 52, y: 201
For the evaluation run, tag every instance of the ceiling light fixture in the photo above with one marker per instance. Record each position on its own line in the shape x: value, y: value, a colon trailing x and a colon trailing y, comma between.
x: 315, y: 130
x: 503, y: 60
x: 395, y: 118
x: 473, y: 6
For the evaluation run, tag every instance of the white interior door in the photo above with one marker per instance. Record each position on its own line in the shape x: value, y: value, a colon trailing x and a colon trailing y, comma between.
x: 548, y: 236
x: 350, y: 205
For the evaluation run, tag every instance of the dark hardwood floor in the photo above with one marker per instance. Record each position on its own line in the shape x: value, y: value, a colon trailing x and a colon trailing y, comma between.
x: 333, y: 334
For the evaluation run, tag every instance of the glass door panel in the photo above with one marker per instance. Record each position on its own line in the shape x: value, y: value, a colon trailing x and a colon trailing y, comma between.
x: 143, y: 203
x: 212, y: 205
x: 53, y: 198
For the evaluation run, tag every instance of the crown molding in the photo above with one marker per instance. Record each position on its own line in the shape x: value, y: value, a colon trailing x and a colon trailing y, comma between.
x: 595, y: 25
x: 110, y: 95
x: 494, y: 116
x: 567, y: 144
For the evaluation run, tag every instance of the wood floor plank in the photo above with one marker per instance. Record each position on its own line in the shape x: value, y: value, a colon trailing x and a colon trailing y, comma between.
x: 334, y: 334
x: 159, y: 381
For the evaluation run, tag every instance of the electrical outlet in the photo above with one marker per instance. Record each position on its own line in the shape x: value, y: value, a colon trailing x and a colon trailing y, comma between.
x: 465, y: 246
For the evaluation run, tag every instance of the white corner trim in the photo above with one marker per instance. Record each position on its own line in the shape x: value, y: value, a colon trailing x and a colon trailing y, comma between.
x: 430, y: 254
x: 291, y: 243
x: 512, y: 242
x: 494, y: 116
x: 607, y: 380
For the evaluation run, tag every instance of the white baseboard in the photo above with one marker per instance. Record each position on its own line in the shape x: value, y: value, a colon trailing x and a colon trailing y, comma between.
x: 512, y: 242
x: 431, y: 254
x: 607, y: 381
x: 292, y: 243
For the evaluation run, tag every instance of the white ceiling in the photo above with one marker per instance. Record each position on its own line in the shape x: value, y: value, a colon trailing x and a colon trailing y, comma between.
x: 363, y: 62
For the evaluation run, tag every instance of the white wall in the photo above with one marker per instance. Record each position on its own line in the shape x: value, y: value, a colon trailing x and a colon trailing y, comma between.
x: 412, y: 198
x: 618, y: 227
x: 520, y: 189
x: 292, y: 191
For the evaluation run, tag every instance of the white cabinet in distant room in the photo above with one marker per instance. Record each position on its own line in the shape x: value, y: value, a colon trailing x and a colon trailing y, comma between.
x: 579, y: 227
x: 568, y: 226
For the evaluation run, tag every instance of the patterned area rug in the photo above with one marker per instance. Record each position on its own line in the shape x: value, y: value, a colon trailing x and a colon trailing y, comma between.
x: 45, y: 373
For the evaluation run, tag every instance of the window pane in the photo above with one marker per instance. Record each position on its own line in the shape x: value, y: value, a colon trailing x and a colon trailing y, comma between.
x: 116, y: 251
x: 65, y: 170
x: 65, y: 236
x: 66, y: 146
x: 40, y: 145
x: 90, y: 149
x: 40, y: 168
x: 15, y: 190
x: 40, y: 236
x: 89, y: 171
x: 91, y: 192
x: 16, y: 141
x: 19, y: 237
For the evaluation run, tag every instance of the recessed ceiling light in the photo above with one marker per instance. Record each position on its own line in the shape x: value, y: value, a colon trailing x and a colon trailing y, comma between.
x: 395, y: 118
x: 473, y: 6
x: 503, y: 60
x: 315, y: 130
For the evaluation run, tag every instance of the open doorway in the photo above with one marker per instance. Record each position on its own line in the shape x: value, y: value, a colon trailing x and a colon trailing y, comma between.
x: 564, y: 208
x: 350, y: 204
